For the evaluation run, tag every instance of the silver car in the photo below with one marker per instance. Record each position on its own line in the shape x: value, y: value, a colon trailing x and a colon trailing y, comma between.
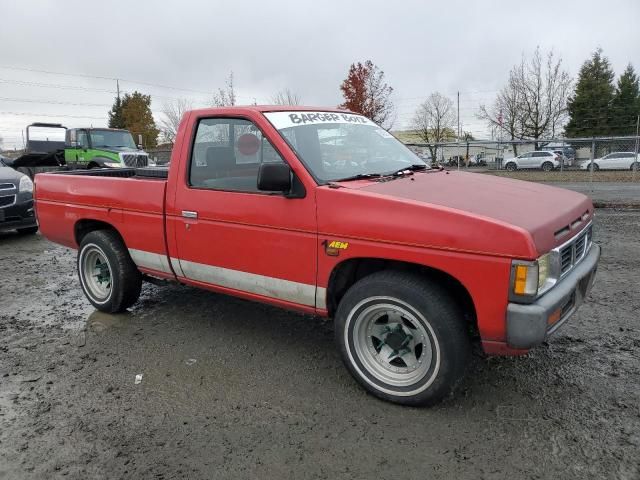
x: 540, y: 159
x: 613, y: 161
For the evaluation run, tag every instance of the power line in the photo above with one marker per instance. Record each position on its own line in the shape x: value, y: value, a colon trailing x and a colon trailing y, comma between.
x: 53, y: 102
x: 99, y: 77
x: 54, y: 85
x: 113, y: 79
x: 52, y: 116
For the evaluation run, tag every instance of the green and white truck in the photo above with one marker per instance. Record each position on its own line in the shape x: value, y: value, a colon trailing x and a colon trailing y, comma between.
x: 52, y: 146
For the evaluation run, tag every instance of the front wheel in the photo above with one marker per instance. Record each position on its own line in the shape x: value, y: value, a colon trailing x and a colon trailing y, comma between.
x: 402, y: 338
x: 635, y: 166
x: 109, y: 278
x: 511, y: 167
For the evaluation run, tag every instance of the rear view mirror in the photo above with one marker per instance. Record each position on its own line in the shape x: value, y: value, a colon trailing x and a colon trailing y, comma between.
x: 274, y: 177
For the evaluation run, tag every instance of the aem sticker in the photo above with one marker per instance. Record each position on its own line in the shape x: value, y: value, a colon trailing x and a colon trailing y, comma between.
x: 282, y: 120
x: 333, y: 247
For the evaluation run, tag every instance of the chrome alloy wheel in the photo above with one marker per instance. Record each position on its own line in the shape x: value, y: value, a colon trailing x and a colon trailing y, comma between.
x: 97, y: 273
x: 395, y: 345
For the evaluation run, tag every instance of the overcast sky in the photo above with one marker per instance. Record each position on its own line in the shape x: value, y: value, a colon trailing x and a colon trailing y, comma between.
x: 306, y: 46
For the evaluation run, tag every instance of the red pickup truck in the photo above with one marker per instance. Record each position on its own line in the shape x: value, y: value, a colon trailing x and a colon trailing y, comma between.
x: 324, y: 212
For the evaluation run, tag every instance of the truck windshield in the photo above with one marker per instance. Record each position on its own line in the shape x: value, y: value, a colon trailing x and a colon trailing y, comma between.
x: 111, y: 139
x: 336, y: 145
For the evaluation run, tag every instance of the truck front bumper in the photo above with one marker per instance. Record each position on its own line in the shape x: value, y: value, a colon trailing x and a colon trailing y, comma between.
x: 529, y: 325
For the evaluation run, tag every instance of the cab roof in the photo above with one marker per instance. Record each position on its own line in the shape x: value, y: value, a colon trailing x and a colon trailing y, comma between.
x: 271, y: 108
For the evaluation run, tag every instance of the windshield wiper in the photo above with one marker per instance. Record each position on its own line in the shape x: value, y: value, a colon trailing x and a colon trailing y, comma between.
x: 411, y: 168
x: 359, y: 176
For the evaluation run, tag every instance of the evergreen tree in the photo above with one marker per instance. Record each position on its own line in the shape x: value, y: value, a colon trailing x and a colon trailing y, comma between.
x: 590, y: 106
x: 137, y: 118
x: 626, y: 103
x: 115, y: 115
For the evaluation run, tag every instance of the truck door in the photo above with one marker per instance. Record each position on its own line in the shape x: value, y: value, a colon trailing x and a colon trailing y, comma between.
x: 76, y: 150
x: 71, y: 150
x: 230, y: 235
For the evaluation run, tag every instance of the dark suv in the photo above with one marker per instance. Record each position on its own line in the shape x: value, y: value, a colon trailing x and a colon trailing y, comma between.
x: 16, y: 200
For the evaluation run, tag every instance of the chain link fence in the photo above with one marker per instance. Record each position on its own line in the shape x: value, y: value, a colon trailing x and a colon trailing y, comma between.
x: 614, y: 159
x: 602, y: 159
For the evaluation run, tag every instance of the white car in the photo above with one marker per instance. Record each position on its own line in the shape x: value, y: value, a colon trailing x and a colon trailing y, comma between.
x: 541, y: 159
x: 613, y: 161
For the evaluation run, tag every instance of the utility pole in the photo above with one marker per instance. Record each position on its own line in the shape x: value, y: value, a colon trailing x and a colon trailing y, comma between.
x: 633, y: 171
x: 458, y: 115
x: 458, y: 140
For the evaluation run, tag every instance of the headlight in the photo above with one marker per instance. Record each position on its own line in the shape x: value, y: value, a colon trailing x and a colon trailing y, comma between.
x: 530, y: 279
x: 26, y: 185
x: 113, y: 164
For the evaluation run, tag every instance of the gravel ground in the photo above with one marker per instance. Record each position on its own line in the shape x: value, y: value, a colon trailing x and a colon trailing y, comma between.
x: 232, y: 389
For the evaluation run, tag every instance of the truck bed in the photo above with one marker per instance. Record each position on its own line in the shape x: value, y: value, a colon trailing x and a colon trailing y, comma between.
x: 131, y: 200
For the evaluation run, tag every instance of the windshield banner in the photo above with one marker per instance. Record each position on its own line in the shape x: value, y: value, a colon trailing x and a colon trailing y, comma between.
x: 282, y: 120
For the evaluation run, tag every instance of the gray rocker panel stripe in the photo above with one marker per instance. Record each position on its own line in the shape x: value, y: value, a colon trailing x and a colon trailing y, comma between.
x: 272, y: 287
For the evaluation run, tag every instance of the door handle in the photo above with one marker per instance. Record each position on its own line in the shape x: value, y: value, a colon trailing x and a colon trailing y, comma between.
x: 189, y: 214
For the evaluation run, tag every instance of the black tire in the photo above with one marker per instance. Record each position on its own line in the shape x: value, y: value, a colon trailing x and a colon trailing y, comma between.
x: 547, y: 166
x: 446, y: 346
x: 635, y: 166
x: 125, y: 280
x: 511, y: 167
x: 594, y: 167
x: 28, y: 230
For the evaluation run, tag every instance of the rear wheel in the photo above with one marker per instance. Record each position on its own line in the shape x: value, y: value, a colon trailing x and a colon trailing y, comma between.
x: 402, y: 338
x: 547, y: 166
x: 109, y: 278
x: 635, y: 166
x: 510, y: 166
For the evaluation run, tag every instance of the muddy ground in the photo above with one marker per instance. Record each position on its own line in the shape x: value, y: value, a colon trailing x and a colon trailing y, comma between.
x: 232, y: 389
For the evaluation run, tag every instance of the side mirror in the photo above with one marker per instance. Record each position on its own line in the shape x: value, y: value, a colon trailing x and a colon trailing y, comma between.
x: 274, y: 177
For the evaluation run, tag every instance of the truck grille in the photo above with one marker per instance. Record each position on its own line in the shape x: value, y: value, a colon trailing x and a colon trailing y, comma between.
x: 7, y: 186
x: 134, y: 160
x: 7, y: 200
x: 572, y: 252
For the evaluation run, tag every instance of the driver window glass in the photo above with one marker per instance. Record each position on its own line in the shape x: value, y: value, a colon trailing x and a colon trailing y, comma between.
x: 82, y: 139
x: 227, y: 153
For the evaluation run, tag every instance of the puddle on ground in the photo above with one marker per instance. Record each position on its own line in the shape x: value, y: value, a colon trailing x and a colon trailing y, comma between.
x: 99, y: 321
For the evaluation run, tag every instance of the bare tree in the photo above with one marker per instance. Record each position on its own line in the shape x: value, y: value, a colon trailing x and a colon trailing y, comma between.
x: 544, y: 88
x: 505, y: 113
x: 173, y: 112
x: 434, y: 121
x: 225, y: 97
x: 533, y: 103
x: 286, y: 97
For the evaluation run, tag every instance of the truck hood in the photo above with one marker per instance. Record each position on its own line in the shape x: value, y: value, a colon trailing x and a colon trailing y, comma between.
x: 477, y: 212
x: 117, y: 150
